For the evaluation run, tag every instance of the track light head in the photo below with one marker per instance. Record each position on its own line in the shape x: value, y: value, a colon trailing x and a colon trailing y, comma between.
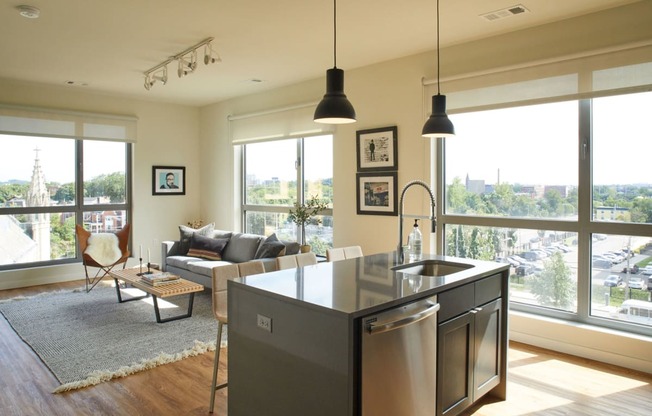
x: 187, y: 66
x: 159, y: 75
x: 208, y: 55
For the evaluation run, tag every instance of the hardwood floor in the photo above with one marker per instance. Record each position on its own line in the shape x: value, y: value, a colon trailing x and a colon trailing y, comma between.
x: 541, y: 382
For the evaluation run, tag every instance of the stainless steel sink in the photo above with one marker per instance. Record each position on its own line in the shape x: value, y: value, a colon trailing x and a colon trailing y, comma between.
x: 432, y: 268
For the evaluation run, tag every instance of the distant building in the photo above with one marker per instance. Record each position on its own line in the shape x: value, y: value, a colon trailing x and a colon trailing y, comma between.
x: 562, y: 189
x: 611, y: 214
x: 475, y: 186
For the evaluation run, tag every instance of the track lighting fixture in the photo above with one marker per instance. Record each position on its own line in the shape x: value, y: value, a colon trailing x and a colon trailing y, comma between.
x: 438, y: 124
x: 335, y: 108
x: 160, y: 74
x: 187, y: 63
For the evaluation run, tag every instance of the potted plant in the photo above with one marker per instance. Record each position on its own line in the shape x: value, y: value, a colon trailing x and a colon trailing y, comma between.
x: 305, y: 214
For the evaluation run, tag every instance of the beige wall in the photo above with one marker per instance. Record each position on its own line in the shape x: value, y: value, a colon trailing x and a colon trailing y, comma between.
x: 167, y: 135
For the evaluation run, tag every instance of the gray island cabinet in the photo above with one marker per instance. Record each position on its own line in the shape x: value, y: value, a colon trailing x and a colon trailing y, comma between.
x: 296, y: 338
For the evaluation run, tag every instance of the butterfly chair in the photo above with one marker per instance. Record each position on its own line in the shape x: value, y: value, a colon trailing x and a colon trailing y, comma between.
x: 105, y: 250
x: 221, y: 275
x: 342, y: 253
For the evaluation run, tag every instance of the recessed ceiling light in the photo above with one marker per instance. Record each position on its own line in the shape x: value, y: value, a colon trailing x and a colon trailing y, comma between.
x: 76, y: 83
x: 29, y: 12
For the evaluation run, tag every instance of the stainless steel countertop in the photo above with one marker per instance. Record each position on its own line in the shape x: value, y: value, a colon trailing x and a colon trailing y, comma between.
x: 360, y: 286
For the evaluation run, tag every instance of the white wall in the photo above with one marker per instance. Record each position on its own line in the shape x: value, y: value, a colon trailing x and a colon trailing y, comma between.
x: 167, y: 135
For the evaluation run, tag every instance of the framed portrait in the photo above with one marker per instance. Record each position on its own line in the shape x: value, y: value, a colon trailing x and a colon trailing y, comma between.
x: 377, y: 149
x: 168, y: 180
x: 376, y: 193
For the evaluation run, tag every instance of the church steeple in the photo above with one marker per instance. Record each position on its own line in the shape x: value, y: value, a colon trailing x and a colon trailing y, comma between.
x: 38, y: 194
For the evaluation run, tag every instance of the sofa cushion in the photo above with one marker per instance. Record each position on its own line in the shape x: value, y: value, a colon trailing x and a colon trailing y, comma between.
x: 242, y: 247
x: 181, y: 261
x: 271, y: 247
x: 204, y: 267
x: 207, y: 248
x: 185, y: 233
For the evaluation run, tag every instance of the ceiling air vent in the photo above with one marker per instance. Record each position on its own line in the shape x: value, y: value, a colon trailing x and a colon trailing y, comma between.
x: 506, y: 12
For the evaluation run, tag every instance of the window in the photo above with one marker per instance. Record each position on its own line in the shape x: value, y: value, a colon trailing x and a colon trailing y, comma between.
x: 565, y: 198
x: 43, y: 196
x: 280, y: 173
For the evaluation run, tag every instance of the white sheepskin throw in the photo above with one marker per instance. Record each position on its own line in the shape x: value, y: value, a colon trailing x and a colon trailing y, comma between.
x: 103, y: 248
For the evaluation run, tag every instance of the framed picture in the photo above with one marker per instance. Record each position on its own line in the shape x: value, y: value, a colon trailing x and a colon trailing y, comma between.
x: 168, y: 180
x: 376, y: 193
x: 377, y: 149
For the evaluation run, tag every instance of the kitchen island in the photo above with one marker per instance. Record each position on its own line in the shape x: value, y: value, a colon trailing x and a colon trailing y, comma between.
x: 295, y: 336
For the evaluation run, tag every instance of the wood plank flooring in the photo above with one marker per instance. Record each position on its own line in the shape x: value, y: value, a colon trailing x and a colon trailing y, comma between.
x: 541, y: 382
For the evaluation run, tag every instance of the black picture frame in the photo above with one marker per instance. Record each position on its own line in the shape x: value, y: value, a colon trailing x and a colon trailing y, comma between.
x: 159, y: 180
x: 376, y: 193
x: 377, y: 149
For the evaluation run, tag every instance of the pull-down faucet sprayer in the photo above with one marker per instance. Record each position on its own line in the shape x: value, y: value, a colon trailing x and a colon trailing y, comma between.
x: 433, y: 220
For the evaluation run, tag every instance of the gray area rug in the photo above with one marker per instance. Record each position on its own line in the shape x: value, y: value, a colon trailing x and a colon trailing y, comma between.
x: 88, y: 338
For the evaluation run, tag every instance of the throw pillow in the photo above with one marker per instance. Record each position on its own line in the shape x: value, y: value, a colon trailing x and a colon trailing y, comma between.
x: 187, y: 232
x: 291, y: 247
x: 270, y: 248
x: 207, y: 248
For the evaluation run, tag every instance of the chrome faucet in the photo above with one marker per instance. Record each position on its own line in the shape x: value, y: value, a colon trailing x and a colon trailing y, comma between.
x: 432, y: 218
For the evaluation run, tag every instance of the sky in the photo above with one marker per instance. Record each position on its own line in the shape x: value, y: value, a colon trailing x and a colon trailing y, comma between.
x: 57, y: 158
x: 490, y: 142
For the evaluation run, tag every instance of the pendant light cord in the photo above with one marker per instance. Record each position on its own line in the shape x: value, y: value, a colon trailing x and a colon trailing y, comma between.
x: 438, y: 89
x: 334, y: 33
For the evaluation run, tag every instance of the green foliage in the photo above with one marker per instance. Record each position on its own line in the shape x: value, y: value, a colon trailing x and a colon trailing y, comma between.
x: 306, y: 213
x: 10, y: 191
x: 112, y: 185
x: 65, y: 193
x: 554, y: 286
x: 62, y: 237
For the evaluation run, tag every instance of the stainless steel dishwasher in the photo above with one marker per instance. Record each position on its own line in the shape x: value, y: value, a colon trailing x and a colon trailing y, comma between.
x: 399, y: 360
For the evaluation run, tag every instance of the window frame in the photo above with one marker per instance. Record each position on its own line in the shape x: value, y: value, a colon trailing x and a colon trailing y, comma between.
x: 79, y: 208
x: 585, y: 226
x: 300, y: 180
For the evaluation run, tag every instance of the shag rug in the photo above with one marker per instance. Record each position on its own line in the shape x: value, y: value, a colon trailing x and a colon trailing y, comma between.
x: 89, y: 338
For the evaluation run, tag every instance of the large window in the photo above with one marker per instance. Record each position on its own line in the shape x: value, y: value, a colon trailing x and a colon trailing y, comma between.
x: 47, y: 185
x: 277, y: 175
x: 561, y: 192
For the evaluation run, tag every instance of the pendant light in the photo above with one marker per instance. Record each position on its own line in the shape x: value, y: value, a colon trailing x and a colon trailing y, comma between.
x: 334, y: 108
x: 438, y: 124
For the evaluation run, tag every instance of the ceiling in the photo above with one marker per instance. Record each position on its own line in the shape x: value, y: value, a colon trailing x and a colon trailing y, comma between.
x: 105, y: 46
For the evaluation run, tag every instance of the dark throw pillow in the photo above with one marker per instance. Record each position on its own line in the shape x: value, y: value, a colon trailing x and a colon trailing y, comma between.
x: 207, y: 248
x: 185, y: 233
x: 270, y: 248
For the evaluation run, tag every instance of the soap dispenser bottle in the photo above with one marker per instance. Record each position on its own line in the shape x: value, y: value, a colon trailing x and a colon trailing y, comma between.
x: 415, y: 241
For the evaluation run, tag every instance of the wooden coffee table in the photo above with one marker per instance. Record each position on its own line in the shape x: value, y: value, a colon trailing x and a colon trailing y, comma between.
x: 181, y: 287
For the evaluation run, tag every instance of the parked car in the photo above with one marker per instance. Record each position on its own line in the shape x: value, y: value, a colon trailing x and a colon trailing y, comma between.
x: 601, y: 263
x: 647, y: 270
x: 524, y: 270
x: 637, y: 283
x: 613, y: 280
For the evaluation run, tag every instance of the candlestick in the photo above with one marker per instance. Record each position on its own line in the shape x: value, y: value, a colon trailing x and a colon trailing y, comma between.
x: 141, y: 252
x: 149, y: 256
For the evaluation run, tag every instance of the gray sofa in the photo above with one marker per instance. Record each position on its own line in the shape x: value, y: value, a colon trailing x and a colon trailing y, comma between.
x: 178, y: 256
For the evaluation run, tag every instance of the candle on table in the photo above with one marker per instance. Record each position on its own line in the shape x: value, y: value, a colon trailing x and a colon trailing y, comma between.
x: 149, y: 256
x: 140, y: 256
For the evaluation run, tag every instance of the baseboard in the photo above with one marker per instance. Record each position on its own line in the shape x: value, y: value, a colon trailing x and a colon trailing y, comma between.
x: 582, y: 340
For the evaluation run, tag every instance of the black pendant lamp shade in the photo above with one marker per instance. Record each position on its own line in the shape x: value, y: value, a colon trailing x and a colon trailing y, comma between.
x: 438, y: 124
x: 335, y: 108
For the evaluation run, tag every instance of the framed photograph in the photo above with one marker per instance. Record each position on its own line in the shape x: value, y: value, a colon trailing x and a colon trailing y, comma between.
x: 376, y: 193
x: 168, y: 180
x: 377, y: 149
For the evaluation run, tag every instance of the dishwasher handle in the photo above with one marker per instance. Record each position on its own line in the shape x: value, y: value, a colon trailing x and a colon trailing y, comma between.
x: 400, y: 323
